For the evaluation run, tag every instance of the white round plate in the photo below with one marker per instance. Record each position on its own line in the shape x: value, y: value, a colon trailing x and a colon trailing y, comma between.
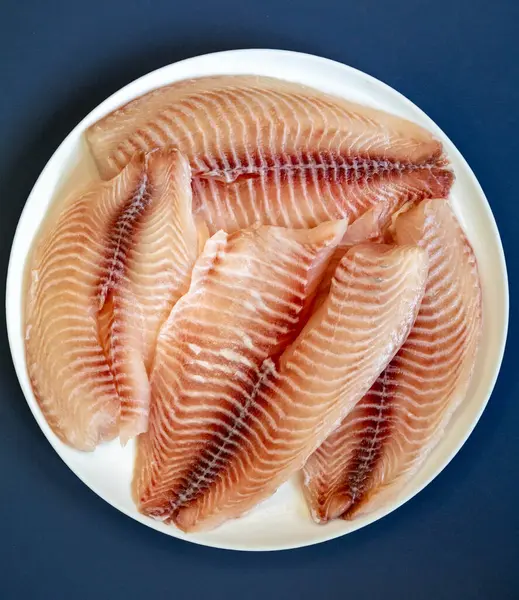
x: 283, y: 521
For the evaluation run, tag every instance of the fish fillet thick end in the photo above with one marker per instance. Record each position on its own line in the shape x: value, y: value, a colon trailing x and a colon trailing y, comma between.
x: 366, y: 462
x: 318, y: 379
x: 248, y: 293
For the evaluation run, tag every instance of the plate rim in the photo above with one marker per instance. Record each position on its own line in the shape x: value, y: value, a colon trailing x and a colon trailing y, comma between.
x: 100, y: 110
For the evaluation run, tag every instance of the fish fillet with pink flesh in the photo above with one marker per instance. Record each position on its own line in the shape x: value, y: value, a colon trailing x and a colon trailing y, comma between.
x: 265, y: 150
x: 366, y: 462
x: 250, y: 291
x: 104, y: 277
x: 211, y: 458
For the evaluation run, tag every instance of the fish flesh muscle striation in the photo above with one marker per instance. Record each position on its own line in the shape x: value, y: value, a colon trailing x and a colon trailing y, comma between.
x: 265, y: 150
x: 250, y: 291
x: 368, y: 460
x: 103, y: 279
x: 232, y: 419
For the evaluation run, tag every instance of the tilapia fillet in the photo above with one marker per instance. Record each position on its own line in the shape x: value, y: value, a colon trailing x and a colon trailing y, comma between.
x: 154, y: 244
x: 290, y: 403
x: 104, y: 277
x: 367, y: 461
x: 275, y: 152
x: 373, y: 226
x: 249, y: 291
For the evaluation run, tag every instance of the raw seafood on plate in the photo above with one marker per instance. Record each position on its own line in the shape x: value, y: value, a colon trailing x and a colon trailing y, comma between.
x: 243, y: 293
x: 103, y: 278
x: 276, y: 152
x: 370, y: 457
x: 244, y: 447
x: 215, y: 351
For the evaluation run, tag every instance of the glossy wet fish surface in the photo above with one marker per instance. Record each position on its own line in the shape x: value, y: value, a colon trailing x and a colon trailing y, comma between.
x: 276, y: 152
x: 218, y: 343
x: 103, y: 279
x: 290, y: 403
x: 367, y: 461
x: 264, y: 281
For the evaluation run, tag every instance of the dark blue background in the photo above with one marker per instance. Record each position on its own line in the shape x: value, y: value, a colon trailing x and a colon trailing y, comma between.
x: 458, y: 61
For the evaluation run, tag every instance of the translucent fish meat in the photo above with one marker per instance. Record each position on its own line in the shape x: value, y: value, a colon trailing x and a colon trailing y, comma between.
x: 368, y: 460
x: 249, y: 292
x: 104, y: 277
x: 286, y: 405
x: 276, y: 152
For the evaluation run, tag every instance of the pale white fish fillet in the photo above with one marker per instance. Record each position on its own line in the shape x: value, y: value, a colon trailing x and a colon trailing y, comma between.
x: 293, y: 156
x: 249, y: 293
x: 154, y: 243
x: 372, y: 226
x: 306, y: 198
x: 296, y: 401
x: 367, y: 461
x: 93, y: 274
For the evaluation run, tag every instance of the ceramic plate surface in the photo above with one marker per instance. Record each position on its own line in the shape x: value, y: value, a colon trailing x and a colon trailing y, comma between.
x: 283, y: 521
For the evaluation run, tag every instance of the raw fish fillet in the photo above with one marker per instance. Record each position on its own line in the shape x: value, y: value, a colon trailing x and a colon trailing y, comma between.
x: 103, y: 279
x: 248, y: 294
x: 290, y: 403
x: 367, y: 461
x: 156, y: 234
x: 275, y: 152
x: 373, y: 226
x: 305, y: 198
